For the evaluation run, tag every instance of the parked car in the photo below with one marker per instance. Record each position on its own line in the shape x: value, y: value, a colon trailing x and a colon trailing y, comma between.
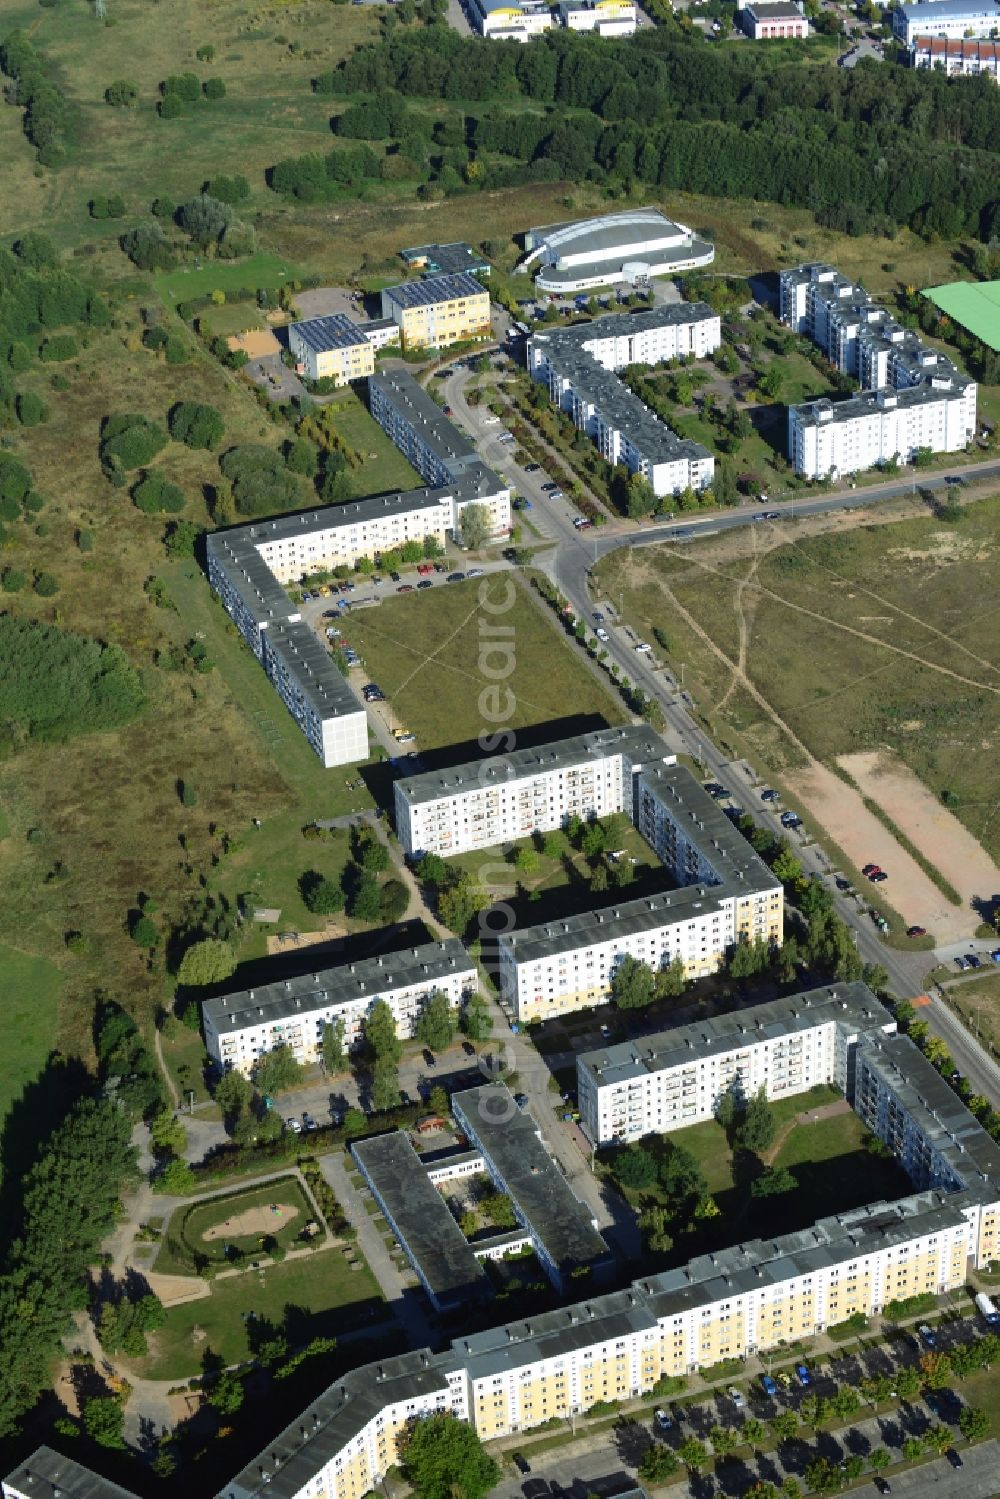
x: 598, y: 617
x: 430, y: 1059
x: 293, y: 1124
x: 455, y: 578
x: 394, y: 577
x: 663, y: 1419
x: 772, y: 515
x: 880, y: 878
x: 557, y: 494
x: 768, y: 1385
x: 961, y: 963
x: 770, y: 795
x: 425, y: 583
x: 405, y: 588
x: 468, y: 1048
x: 532, y: 468
x: 439, y: 567
x: 521, y: 1099
x: 841, y: 883
x: 475, y: 572
x: 882, y: 1485
x: 736, y: 1397
x: 644, y: 649
x: 995, y: 955
x: 916, y: 931
x: 803, y: 1376
x: 520, y: 1462
x: 954, y: 1458
x: 308, y: 1122
x: 601, y: 633
x: 791, y: 820
x: 424, y: 567
x: 973, y: 960
x: 927, y: 1336
x: 715, y: 790
x: 868, y: 868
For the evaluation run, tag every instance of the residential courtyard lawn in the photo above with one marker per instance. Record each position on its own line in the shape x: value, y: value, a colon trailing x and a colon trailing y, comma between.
x: 429, y: 655
x: 383, y: 467
x: 29, y: 1002
x: 318, y: 1295
x: 184, y: 1056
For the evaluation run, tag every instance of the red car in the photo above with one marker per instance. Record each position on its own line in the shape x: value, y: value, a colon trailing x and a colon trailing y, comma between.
x: 874, y: 872
x: 425, y: 567
x: 405, y: 588
x: 869, y: 869
x: 916, y: 931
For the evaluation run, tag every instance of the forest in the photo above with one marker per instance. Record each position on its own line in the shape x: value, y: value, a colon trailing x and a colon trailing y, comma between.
x: 865, y: 149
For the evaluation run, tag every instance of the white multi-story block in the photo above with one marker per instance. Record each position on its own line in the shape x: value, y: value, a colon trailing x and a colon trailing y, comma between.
x: 674, y: 1078
x: 912, y: 396
x: 952, y: 19
x: 603, y: 17
x: 957, y: 56
x: 241, y: 1027
x: 438, y: 310
x: 726, y: 895
x: 503, y: 798
x: 439, y: 452
x: 331, y: 348
x: 578, y: 366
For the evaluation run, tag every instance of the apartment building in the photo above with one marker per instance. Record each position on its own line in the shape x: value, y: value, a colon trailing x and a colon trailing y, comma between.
x: 240, y: 1027
x: 674, y: 1078
x: 630, y: 246
x: 331, y: 348
x: 726, y: 895
x: 911, y: 395
x: 599, y: 17
x: 957, y: 56
x: 485, y: 803
x: 756, y: 1295
x: 578, y: 366
x: 950, y: 19
x: 438, y: 310
x: 772, y: 20
x: 562, y: 1230
x: 440, y: 453
x: 436, y: 1248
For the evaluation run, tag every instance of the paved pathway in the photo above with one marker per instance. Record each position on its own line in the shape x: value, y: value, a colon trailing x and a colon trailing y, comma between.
x: 407, y: 1303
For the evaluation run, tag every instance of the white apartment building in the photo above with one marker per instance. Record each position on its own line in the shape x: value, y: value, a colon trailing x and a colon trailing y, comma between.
x: 503, y: 798
x: 240, y: 1027
x: 439, y: 452
x: 331, y: 348
x: 577, y: 365
x: 957, y: 57
x: 755, y: 1296
x: 727, y: 894
x: 605, y: 17
x: 951, y: 19
x: 675, y: 1078
x: 911, y: 395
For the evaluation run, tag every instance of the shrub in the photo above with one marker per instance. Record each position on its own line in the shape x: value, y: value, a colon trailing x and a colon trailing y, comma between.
x: 196, y: 425
x: 31, y: 409
x: 46, y: 585
x: 61, y: 346
x: 121, y: 94
x: 155, y: 494
x: 130, y: 441
x: 148, y: 247
x: 214, y: 88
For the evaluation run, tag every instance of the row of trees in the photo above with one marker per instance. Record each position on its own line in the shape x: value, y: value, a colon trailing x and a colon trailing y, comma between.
x: 48, y: 112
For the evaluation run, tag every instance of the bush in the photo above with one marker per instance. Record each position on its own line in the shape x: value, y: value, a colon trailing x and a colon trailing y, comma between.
x: 154, y: 494
x: 196, y: 425
x: 130, y: 441
x: 31, y: 409
x: 214, y: 88
x: 46, y: 585
x: 112, y: 207
x: 230, y: 190
x: 121, y: 94
x: 61, y: 346
x: 148, y: 247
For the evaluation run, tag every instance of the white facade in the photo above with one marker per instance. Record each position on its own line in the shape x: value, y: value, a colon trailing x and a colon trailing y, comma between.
x: 240, y: 1027
x: 331, y: 348
x: 628, y: 246
x: 958, y: 57
x: 578, y: 366
x: 912, y: 396
x: 949, y: 19
x: 505, y: 798
x: 605, y: 17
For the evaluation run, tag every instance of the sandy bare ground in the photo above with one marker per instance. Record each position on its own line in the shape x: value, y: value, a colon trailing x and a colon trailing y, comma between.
x: 330, y: 937
x: 175, y: 1289
x: 841, y: 810
x: 266, y: 1219
x: 255, y: 343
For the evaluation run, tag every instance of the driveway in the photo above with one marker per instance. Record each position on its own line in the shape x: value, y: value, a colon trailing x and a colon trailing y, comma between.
x: 281, y: 383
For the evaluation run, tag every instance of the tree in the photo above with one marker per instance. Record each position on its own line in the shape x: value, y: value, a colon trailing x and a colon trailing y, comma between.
x: 370, y: 852
x: 907, y: 1383
x: 655, y: 1232
x: 277, y: 1070
x: 364, y: 901
x: 749, y: 958
x: 935, y: 1368
x: 476, y: 526
x: 436, y: 1025
x: 322, y: 896
x: 640, y: 497
x: 334, y: 1050
x: 726, y: 1108
x: 773, y: 1181
x: 784, y: 1425
x: 204, y: 219
x: 432, y: 869
x: 682, y: 1180
x: 167, y: 1132
x: 394, y: 899
x: 693, y: 1454
x: 148, y: 248
x: 460, y: 901
x: 758, y: 1127
x: 876, y: 977
x: 206, y: 962
x: 104, y: 1420
x: 754, y: 1432
x: 657, y: 1463
x: 476, y: 1021
x: 526, y: 859
x: 444, y: 1459
x: 31, y: 409
x: 671, y: 981
x: 302, y: 457
x: 632, y: 984
x: 385, y: 1087
x: 845, y: 1402
x: 822, y: 1475
x: 196, y: 425
x: 723, y: 1440
x: 380, y: 1034
x: 973, y: 1423
x: 937, y: 1439
x: 635, y: 1168
x: 227, y: 1393
x: 879, y: 1459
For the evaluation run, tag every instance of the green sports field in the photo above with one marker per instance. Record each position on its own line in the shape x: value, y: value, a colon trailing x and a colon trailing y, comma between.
x: 974, y: 305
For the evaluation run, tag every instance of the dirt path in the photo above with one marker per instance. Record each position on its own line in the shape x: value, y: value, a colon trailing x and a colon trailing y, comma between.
x: 742, y: 624
x: 810, y: 1116
x: 930, y: 827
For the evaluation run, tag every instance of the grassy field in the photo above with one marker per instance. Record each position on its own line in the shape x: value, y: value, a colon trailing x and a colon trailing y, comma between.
x: 977, y: 1000
x: 833, y: 1172
x: 187, y: 282
x: 383, y: 467
x: 185, y: 1235
x: 882, y: 635
x: 29, y: 1002
x: 316, y: 1296
x: 428, y: 659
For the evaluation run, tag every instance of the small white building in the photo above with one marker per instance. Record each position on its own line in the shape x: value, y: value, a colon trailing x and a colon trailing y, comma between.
x: 331, y: 348
x: 951, y: 19
x: 772, y: 20
x: 603, y: 17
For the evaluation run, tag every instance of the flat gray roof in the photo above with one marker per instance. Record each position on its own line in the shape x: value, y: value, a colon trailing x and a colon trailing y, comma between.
x: 641, y: 745
x: 450, y: 446
x: 607, y: 232
x: 321, y: 334
x: 611, y: 270
x: 422, y: 1217
x: 853, y: 1005
x: 47, y: 1473
x: 364, y: 980
x: 433, y: 289
x: 775, y: 10
x: 447, y: 260
x: 509, y: 1139
x: 825, y: 413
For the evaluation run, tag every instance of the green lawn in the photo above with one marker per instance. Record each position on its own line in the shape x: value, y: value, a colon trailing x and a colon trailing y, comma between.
x: 185, y: 1237
x: 429, y: 656
x: 29, y: 1003
x: 262, y: 269
x: 184, y: 1055
x: 232, y: 319
x: 383, y: 466
x: 316, y: 1296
